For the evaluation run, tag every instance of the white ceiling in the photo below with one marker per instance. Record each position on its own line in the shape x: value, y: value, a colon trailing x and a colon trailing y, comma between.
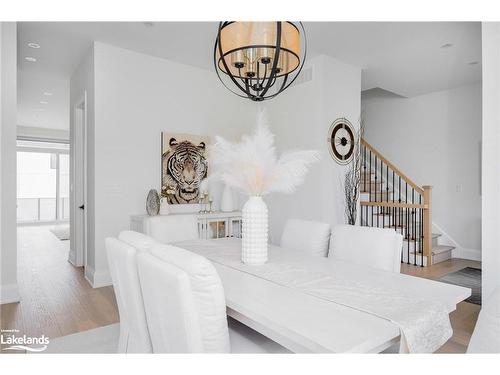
x: 405, y: 58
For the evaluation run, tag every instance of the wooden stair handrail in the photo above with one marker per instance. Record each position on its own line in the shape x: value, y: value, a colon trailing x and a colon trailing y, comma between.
x: 394, y: 204
x: 393, y: 167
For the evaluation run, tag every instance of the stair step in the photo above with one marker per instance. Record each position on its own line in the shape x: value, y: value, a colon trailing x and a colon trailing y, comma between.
x: 441, y: 253
x: 439, y: 249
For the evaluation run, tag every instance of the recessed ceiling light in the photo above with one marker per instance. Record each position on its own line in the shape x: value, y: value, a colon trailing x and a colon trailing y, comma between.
x: 474, y: 63
x: 30, y: 59
x: 447, y: 45
x: 148, y: 24
x: 44, y: 102
x: 46, y: 93
x: 33, y: 45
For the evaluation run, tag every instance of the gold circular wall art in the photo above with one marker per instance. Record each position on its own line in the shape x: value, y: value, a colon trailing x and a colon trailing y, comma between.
x: 341, y: 141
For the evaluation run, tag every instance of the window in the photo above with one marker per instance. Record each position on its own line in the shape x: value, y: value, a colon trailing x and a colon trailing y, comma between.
x: 42, y: 181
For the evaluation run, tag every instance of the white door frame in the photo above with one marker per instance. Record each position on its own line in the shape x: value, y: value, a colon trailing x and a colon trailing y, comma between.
x: 78, y: 183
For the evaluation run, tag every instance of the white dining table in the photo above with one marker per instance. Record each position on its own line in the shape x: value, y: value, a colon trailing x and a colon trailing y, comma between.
x: 305, y: 323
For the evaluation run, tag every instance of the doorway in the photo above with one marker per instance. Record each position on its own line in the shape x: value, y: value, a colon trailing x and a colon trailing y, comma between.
x: 43, y: 182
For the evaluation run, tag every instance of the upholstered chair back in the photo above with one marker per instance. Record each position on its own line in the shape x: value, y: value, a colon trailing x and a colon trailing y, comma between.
x: 374, y: 247
x: 308, y: 236
x: 138, y: 240
x: 163, y: 274
x: 134, y: 335
x: 171, y: 310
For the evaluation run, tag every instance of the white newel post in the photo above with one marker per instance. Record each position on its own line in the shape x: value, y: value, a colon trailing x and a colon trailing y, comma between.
x: 255, y: 231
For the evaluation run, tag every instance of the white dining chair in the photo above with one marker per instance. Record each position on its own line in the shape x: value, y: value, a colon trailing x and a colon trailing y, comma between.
x: 374, y: 247
x: 134, y: 335
x: 186, y: 309
x: 308, y: 236
x: 140, y: 241
x: 486, y: 335
x: 169, y: 229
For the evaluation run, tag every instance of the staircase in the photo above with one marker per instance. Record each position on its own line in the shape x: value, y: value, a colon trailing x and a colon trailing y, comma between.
x: 389, y: 199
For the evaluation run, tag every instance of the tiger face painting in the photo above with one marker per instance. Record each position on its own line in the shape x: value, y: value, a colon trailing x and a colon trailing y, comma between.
x: 184, y: 166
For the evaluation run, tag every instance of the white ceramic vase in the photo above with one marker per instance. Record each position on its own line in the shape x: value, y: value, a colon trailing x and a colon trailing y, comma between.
x: 227, y: 201
x: 164, y: 209
x: 255, y: 231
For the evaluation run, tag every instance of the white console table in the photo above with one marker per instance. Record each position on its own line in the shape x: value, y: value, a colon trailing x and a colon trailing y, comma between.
x: 210, y: 225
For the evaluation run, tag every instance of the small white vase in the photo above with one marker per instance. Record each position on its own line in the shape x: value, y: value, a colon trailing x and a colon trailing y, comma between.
x: 254, y: 231
x: 164, y: 209
x: 227, y: 201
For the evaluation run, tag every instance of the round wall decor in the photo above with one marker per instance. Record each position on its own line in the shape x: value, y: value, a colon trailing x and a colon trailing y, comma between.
x: 341, y: 141
x: 153, y: 203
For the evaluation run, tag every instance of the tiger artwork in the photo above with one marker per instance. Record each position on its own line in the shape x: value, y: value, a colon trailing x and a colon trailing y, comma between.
x: 184, y: 166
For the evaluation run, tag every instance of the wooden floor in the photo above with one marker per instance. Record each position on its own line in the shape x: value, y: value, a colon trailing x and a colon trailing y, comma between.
x: 56, y: 300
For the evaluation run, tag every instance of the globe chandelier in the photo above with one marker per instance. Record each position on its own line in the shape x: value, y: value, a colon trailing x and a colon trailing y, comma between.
x: 259, y: 60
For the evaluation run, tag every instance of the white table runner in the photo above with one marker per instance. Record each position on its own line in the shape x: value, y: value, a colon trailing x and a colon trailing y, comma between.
x: 424, y: 325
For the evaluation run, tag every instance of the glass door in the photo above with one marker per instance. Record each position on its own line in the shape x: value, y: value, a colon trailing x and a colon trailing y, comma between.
x: 217, y: 228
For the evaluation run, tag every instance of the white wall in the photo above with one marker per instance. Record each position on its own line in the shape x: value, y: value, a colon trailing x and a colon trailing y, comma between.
x: 435, y: 139
x: 491, y: 158
x: 8, y: 232
x: 300, y: 118
x: 136, y: 98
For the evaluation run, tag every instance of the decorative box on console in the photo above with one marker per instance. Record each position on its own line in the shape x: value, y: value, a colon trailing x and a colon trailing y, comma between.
x: 210, y: 225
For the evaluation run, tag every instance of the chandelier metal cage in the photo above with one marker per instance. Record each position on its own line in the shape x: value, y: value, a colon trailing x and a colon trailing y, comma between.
x: 259, y: 59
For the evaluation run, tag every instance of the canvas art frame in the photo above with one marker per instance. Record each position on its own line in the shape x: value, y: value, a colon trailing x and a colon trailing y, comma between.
x: 184, y: 165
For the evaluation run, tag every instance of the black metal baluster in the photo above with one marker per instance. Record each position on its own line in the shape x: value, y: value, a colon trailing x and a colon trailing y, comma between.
x: 386, y: 212
x: 367, y: 209
x: 387, y: 182
x: 421, y: 234
x: 370, y: 185
x: 402, y: 247
x: 371, y: 210
x: 393, y: 210
x: 381, y: 180
x: 364, y: 166
x: 400, y: 218
x: 376, y: 180
x: 361, y: 216
x: 414, y: 225
x: 407, y: 235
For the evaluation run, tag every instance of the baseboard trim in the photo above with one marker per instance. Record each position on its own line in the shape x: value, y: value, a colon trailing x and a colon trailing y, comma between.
x: 97, y: 279
x: 469, y: 254
x: 9, y: 294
